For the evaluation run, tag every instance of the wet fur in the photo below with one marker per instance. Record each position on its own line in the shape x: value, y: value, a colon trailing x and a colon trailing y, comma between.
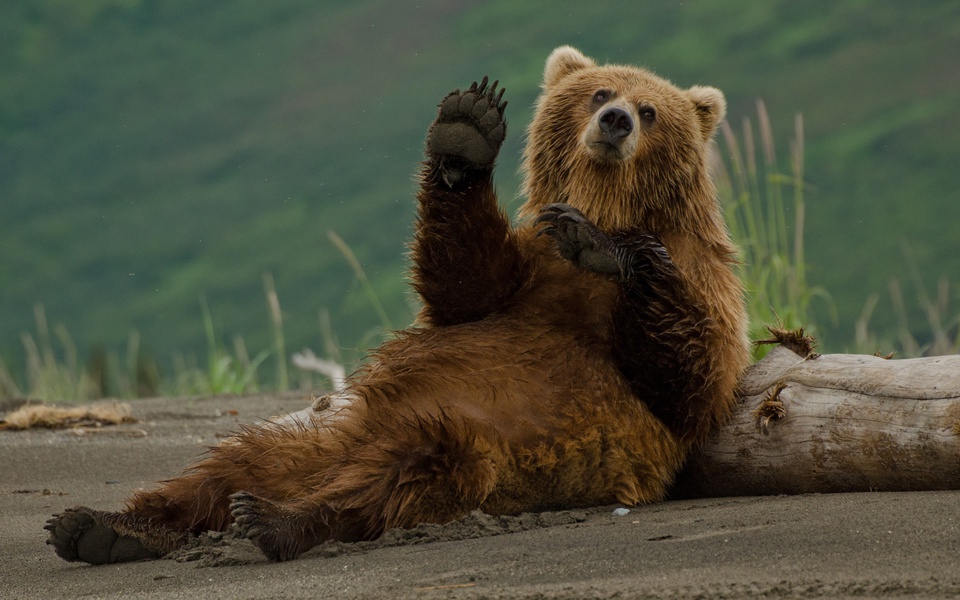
x: 529, y: 383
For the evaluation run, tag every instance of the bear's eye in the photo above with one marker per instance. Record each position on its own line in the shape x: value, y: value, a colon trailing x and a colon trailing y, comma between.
x: 648, y: 114
x: 601, y: 96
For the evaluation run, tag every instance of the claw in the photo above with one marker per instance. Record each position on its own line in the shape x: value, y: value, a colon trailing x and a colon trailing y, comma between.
x: 558, y: 210
x: 545, y: 218
x: 548, y: 215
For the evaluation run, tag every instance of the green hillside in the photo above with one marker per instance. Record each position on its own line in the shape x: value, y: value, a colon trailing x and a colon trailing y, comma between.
x: 156, y: 152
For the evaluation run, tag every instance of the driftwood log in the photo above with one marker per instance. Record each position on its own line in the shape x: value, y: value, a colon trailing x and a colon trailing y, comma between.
x: 835, y: 423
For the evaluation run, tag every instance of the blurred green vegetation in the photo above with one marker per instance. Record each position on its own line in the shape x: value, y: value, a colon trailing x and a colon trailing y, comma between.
x: 155, y: 152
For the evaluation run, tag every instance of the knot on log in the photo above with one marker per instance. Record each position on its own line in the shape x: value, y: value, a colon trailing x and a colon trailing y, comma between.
x: 771, y: 409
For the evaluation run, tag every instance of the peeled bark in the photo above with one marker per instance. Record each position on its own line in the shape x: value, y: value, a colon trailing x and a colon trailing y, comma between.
x: 835, y: 423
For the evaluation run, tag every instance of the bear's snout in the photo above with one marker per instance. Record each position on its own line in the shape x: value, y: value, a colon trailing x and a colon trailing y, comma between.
x: 615, y: 124
x: 611, y: 135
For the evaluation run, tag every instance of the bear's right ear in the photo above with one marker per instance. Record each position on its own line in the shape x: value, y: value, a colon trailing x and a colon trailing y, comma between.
x: 563, y: 61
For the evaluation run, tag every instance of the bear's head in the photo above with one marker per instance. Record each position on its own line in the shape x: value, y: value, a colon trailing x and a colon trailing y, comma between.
x: 627, y: 148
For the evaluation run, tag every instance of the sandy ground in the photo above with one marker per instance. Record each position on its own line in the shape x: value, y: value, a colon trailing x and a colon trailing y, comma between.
x: 811, y: 546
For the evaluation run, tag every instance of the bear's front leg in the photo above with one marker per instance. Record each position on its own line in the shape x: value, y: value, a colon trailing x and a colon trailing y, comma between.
x: 655, y: 316
x: 466, y: 260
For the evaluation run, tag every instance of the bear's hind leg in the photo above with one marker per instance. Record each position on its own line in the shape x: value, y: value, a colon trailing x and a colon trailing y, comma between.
x: 154, y: 522
x: 98, y: 537
x: 161, y: 520
x: 424, y: 471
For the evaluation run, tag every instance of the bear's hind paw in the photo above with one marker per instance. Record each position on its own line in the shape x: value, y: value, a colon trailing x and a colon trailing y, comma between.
x: 78, y: 534
x: 266, y: 525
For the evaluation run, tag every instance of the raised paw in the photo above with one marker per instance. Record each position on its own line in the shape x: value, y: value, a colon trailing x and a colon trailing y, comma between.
x: 264, y: 523
x: 468, y: 130
x: 78, y: 534
x: 578, y: 240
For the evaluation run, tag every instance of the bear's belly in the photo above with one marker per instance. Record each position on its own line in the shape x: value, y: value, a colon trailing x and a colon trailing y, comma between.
x: 527, y: 381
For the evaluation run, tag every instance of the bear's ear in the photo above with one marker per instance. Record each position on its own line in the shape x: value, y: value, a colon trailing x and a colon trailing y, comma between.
x: 711, y: 107
x: 563, y: 61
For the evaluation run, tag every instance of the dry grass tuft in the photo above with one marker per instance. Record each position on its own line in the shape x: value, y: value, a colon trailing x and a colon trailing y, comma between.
x: 58, y: 417
x: 795, y: 340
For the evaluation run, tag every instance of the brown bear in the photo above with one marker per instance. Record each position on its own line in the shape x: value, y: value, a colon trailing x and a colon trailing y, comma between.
x: 570, y: 361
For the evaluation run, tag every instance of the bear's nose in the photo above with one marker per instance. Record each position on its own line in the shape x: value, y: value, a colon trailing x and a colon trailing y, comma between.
x: 615, y: 123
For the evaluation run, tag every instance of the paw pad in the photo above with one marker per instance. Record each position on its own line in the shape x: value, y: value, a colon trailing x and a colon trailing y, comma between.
x: 77, y: 535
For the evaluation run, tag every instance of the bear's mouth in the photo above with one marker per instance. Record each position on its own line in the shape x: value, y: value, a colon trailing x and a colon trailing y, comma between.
x: 606, y: 151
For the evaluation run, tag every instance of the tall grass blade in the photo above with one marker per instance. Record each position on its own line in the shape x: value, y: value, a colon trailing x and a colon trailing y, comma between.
x: 276, y: 320
x: 362, y: 276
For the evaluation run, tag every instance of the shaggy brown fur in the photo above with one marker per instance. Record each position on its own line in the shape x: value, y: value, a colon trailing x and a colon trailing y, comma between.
x: 570, y: 361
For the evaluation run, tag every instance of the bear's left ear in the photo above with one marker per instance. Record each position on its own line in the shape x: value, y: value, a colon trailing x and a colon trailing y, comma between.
x: 711, y: 107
